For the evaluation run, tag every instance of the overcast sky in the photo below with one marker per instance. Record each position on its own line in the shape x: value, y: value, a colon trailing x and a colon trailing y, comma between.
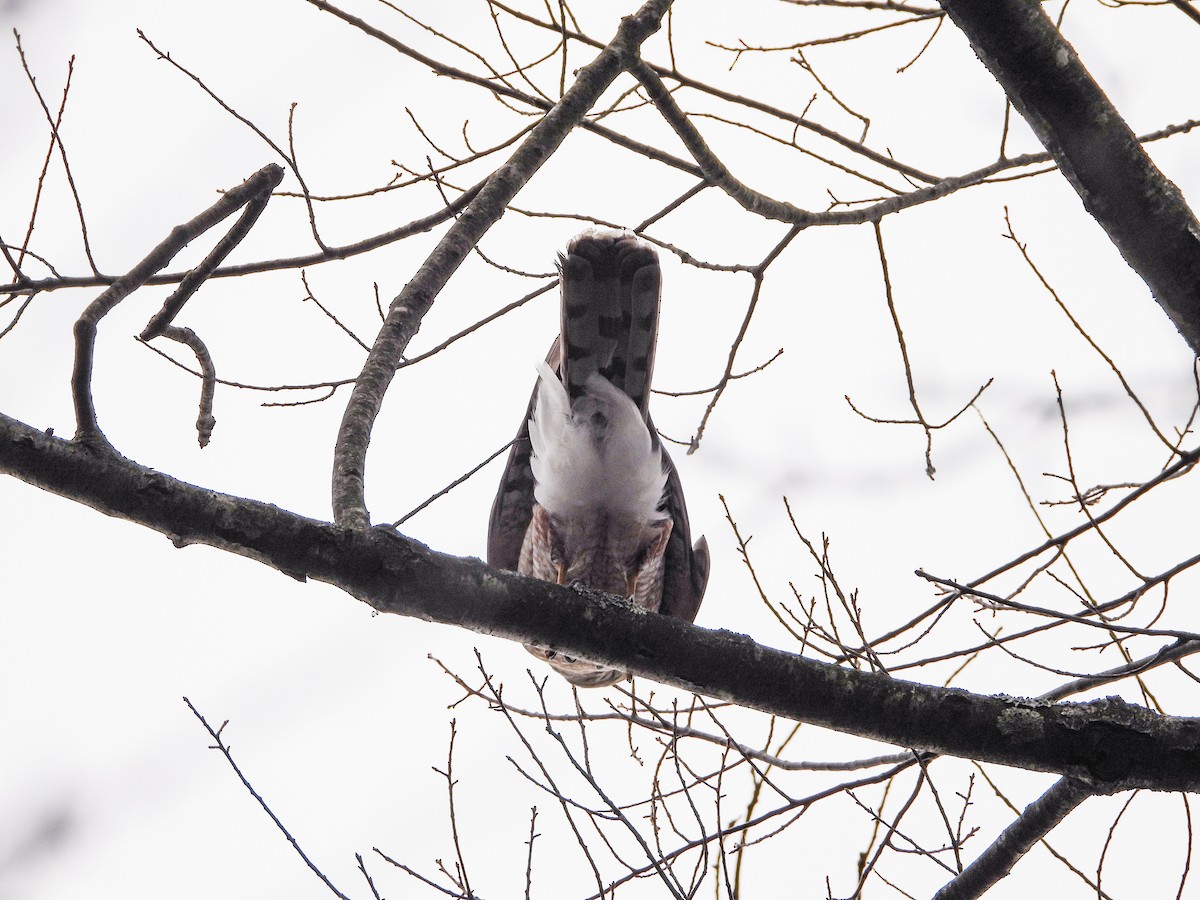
x: 338, y: 716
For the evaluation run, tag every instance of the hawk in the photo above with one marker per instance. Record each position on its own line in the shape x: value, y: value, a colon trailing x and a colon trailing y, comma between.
x: 589, y: 495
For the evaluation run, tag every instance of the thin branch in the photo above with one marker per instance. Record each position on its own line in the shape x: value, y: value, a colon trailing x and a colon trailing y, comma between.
x: 1005, y: 602
x: 56, y: 139
x: 1039, y: 818
x: 288, y: 157
x: 727, y: 376
x: 463, y: 881
x: 908, y: 374
x: 219, y: 744
x: 309, y: 295
x: 205, y: 422
x: 258, y: 185
x: 1143, y: 213
x: 448, y: 488
x: 1024, y: 251
x: 408, y: 309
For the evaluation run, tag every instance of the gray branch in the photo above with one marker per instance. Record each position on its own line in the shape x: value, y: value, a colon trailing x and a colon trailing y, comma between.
x: 1106, y: 745
x: 253, y: 193
x: 415, y: 300
x: 1142, y: 212
x: 1039, y: 819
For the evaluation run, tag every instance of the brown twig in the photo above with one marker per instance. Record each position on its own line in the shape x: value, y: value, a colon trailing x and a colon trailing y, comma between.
x: 448, y: 488
x: 287, y: 157
x: 56, y: 140
x: 758, y: 273
x: 220, y: 745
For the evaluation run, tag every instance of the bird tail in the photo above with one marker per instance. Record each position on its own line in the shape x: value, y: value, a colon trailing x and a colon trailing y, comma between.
x: 610, y: 291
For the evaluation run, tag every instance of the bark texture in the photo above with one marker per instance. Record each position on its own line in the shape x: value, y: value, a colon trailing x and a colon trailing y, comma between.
x: 1106, y: 745
x: 1142, y: 211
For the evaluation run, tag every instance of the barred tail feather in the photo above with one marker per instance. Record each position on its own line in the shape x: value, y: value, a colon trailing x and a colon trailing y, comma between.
x: 610, y: 293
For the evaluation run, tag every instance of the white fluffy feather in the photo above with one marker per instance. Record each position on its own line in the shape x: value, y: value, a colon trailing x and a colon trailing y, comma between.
x: 596, y: 456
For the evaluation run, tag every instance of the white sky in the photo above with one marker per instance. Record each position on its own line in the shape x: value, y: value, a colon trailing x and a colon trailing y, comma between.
x: 337, y: 716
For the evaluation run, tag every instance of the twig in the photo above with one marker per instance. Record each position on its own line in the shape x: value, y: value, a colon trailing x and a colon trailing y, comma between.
x: 56, y: 139
x: 257, y: 185
x: 1024, y: 251
x: 219, y: 744
x: 417, y: 297
x: 463, y: 881
x: 529, y: 858
x: 727, y: 376
x: 448, y: 488
x: 1039, y: 818
x: 309, y: 295
x: 287, y: 157
x: 205, y: 422
x: 965, y: 590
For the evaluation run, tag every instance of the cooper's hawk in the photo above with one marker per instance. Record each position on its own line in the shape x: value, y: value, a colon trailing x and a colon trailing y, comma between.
x: 590, y: 495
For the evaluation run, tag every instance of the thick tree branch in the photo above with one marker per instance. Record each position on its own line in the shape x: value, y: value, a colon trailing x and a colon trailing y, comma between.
x: 1142, y: 212
x: 1107, y: 745
x: 408, y: 309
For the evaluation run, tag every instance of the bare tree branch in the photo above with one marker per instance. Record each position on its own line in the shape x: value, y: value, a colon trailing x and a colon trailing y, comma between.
x: 1108, y: 744
x: 252, y: 193
x: 220, y: 745
x: 720, y: 779
x: 1142, y: 212
x: 407, y: 310
x: 1035, y: 823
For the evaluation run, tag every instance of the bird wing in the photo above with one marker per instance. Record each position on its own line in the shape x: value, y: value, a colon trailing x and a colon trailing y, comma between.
x: 610, y: 288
